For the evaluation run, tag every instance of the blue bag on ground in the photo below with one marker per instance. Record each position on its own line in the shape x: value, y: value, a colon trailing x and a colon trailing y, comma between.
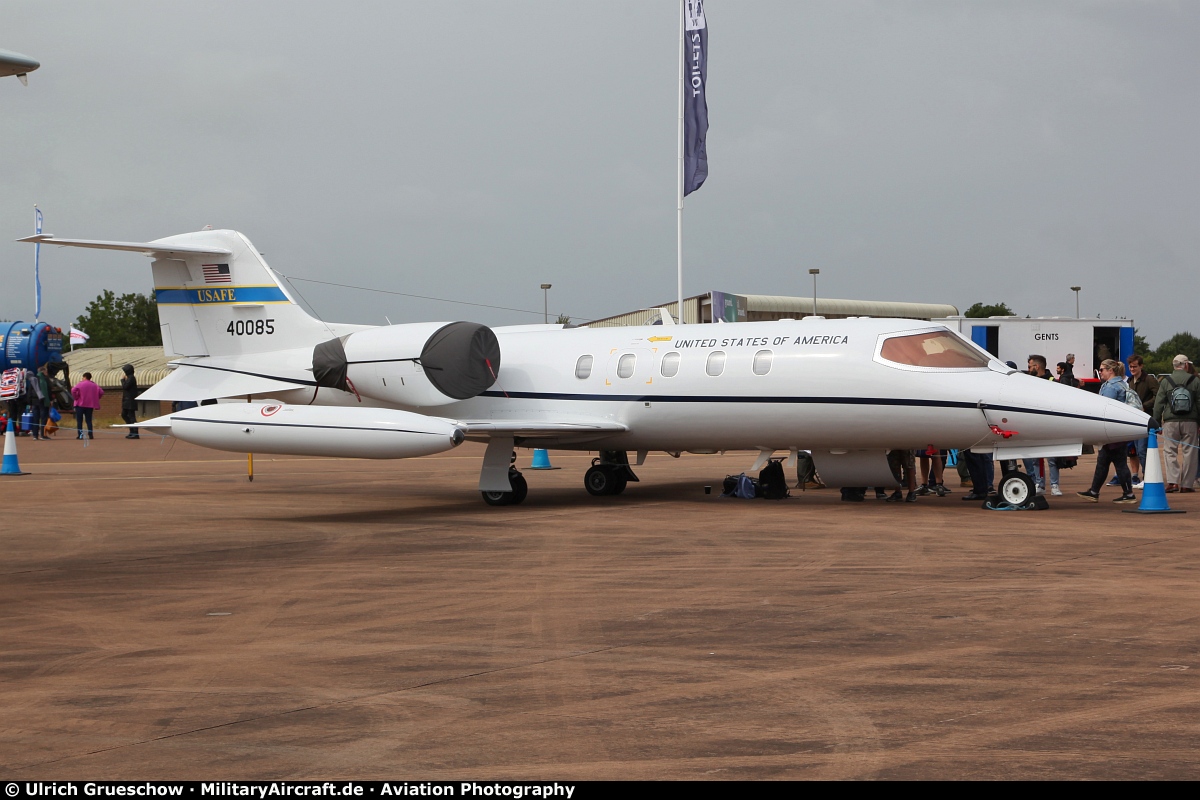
x: 739, y: 486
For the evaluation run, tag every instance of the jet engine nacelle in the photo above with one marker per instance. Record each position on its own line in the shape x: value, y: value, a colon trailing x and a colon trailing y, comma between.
x: 311, y: 430
x: 416, y: 365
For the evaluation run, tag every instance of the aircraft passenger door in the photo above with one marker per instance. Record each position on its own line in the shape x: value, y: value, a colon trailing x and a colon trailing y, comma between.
x: 631, y: 368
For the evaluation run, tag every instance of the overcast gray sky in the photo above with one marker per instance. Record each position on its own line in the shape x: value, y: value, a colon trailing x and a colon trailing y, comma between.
x: 928, y: 151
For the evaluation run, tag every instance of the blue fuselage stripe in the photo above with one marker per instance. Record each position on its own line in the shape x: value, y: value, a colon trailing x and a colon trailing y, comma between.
x: 758, y: 399
x: 220, y: 294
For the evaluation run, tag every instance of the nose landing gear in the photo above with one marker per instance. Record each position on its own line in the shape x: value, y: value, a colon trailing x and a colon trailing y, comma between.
x: 1016, y: 489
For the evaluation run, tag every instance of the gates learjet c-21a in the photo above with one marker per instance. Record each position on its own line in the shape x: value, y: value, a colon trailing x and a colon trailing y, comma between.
x: 847, y: 390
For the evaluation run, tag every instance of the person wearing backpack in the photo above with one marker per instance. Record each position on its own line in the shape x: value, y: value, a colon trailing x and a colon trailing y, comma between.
x: 1177, y: 408
x: 1113, y: 454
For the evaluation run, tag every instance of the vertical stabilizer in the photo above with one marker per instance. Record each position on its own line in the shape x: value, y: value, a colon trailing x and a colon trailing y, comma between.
x: 226, y: 305
x: 217, y: 296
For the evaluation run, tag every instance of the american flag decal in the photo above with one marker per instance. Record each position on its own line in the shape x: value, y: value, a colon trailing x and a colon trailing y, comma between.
x: 216, y: 273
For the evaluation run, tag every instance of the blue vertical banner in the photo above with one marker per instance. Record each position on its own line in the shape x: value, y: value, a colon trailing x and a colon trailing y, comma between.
x: 37, y: 278
x: 695, y: 106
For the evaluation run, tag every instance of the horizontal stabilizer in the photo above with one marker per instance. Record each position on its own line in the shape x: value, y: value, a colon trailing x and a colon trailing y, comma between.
x: 160, y: 426
x: 198, y: 382
x: 153, y: 249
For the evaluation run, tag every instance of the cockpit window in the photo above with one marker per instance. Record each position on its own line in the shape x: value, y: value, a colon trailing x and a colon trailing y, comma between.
x: 938, y: 349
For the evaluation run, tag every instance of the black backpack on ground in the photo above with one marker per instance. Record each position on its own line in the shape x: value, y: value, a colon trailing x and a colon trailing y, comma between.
x: 772, y: 482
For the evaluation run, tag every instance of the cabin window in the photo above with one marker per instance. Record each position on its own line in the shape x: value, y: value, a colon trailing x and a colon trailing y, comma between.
x: 762, y: 362
x: 670, y: 364
x: 625, y: 365
x: 583, y: 367
x: 939, y: 349
x: 716, y: 363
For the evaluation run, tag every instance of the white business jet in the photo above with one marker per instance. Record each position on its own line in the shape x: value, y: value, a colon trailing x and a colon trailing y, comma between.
x: 847, y: 390
x: 16, y: 64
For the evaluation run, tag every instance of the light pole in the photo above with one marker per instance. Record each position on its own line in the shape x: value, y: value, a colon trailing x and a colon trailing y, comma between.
x: 545, y: 303
x: 1076, y: 289
x: 814, y: 273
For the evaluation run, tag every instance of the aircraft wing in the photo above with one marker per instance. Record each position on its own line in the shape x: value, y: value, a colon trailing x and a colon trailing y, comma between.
x: 575, y: 431
x: 202, y: 382
x: 153, y: 249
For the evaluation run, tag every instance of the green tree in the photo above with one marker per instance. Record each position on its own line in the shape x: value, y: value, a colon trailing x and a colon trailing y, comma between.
x: 130, y: 320
x: 996, y: 310
x: 1183, y: 342
x: 563, y: 319
x: 1141, y: 346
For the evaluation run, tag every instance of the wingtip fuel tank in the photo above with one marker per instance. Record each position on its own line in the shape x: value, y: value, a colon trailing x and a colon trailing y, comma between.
x: 278, y: 429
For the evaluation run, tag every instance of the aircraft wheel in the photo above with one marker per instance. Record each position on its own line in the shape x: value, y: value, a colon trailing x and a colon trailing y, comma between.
x: 620, y: 483
x: 1016, y: 488
x: 520, y: 488
x: 497, y: 498
x: 601, y: 480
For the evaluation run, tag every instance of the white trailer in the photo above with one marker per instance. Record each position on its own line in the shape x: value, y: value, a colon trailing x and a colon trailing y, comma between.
x: 1017, y: 338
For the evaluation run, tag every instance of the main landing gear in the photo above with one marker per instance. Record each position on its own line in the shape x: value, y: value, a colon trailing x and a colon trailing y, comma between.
x: 501, y: 484
x: 609, y: 474
x: 520, y: 488
x: 604, y: 479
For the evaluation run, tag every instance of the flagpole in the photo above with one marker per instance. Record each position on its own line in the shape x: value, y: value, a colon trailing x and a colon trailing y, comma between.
x: 37, y: 278
x: 679, y: 177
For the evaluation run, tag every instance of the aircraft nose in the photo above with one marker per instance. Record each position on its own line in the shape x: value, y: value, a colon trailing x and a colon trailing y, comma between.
x: 1124, y: 422
x: 1068, y: 413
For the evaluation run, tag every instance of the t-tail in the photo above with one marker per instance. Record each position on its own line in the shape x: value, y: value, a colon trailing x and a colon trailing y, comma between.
x: 217, y: 296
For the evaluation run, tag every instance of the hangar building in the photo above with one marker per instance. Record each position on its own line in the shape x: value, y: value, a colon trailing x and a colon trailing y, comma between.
x: 761, y: 307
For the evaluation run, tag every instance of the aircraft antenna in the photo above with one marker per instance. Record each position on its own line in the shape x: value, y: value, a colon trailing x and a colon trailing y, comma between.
x: 310, y: 305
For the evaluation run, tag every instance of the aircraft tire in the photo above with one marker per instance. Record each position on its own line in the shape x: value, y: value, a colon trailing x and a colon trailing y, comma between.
x: 497, y: 498
x: 601, y: 481
x: 1016, y: 488
x: 520, y: 488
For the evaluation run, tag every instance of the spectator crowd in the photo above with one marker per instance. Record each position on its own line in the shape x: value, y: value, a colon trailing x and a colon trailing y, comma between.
x: 36, y: 400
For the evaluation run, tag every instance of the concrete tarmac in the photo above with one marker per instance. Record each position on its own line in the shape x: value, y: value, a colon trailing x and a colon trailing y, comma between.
x: 162, y: 617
